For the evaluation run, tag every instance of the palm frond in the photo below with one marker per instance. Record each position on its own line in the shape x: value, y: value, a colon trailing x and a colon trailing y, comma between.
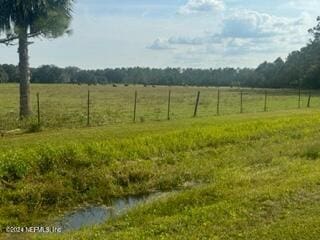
x: 48, y: 18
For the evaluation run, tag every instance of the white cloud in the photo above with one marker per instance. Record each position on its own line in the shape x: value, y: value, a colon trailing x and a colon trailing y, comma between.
x: 242, y: 34
x: 160, y: 44
x: 251, y: 24
x: 186, y: 40
x: 201, y: 6
x: 244, y: 30
x: 250, y: 31
x: 309, y: 5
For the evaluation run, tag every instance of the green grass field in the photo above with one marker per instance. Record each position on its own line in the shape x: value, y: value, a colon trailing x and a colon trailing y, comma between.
x: 65, y: 106
x: 254, y: 176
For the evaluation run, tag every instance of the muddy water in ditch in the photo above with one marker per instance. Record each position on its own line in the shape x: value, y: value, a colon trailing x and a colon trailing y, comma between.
x: 94, y: 215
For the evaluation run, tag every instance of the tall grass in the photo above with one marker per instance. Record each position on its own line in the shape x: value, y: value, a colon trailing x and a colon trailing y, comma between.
x: 52, y: 176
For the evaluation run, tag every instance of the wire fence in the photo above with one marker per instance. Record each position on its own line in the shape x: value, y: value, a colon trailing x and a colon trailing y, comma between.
x: 71, y: 106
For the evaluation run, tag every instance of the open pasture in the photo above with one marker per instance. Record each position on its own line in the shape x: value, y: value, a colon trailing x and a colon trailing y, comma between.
x: 66, y: 106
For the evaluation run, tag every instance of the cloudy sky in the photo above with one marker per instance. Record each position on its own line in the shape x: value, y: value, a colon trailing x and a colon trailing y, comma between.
x: 176, y: 33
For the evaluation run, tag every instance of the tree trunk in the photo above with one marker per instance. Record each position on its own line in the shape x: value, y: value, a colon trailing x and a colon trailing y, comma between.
x: 24, y: 75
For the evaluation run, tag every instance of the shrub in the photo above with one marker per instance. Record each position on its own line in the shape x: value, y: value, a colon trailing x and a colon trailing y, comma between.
x: 13, y: 167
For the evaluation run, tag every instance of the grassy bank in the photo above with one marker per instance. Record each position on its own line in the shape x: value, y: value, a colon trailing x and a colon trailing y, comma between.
x: 257, y: 177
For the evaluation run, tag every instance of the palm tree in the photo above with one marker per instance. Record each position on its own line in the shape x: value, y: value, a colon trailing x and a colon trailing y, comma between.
x: 21, y: 20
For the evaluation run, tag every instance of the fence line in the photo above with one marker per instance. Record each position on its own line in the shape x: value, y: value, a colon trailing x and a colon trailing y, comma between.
x: 309, y: 99
x: 265, y: 101
x: 88, y: 109
x: 197, y: 104
x: 225, y: 103
x: 218, y: 102
x: 135, y: 106
x: 169, y: 105
x: 299, y: 103
x: 38, y: 109
x: 241, y: 101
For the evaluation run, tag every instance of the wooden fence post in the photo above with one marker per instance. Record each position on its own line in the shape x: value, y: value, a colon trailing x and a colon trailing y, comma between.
x: 88, y: 109
x: 299, y: 103
x: 169, y: 104
x: 218, y: 102
x: 265, y: 101
x: 197, y: 104
x: 241, y: 102
x: 38, y: 108
x: 309, y: 100
x: 135, y: 106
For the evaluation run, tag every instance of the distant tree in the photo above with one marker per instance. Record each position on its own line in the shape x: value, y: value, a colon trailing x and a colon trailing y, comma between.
x: 3, y: 75
x: 312, y: 77
x: 12, y: 71
x: 315, y: 31
x: 86, y: 77
x: 70, y: 73
x: 48, y: 74
x: 22, y: 20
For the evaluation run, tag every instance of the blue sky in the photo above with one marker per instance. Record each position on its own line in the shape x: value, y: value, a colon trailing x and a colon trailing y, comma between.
x: 176, y: 33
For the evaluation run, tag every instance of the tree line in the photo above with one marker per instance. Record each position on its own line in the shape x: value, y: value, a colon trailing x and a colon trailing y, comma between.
x: 301, y: 68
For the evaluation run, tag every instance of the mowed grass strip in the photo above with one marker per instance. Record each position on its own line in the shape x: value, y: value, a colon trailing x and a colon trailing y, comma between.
x: 257, y: 178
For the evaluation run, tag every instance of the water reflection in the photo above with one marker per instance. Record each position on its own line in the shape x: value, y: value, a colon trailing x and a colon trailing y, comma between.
x: 94, y: 215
